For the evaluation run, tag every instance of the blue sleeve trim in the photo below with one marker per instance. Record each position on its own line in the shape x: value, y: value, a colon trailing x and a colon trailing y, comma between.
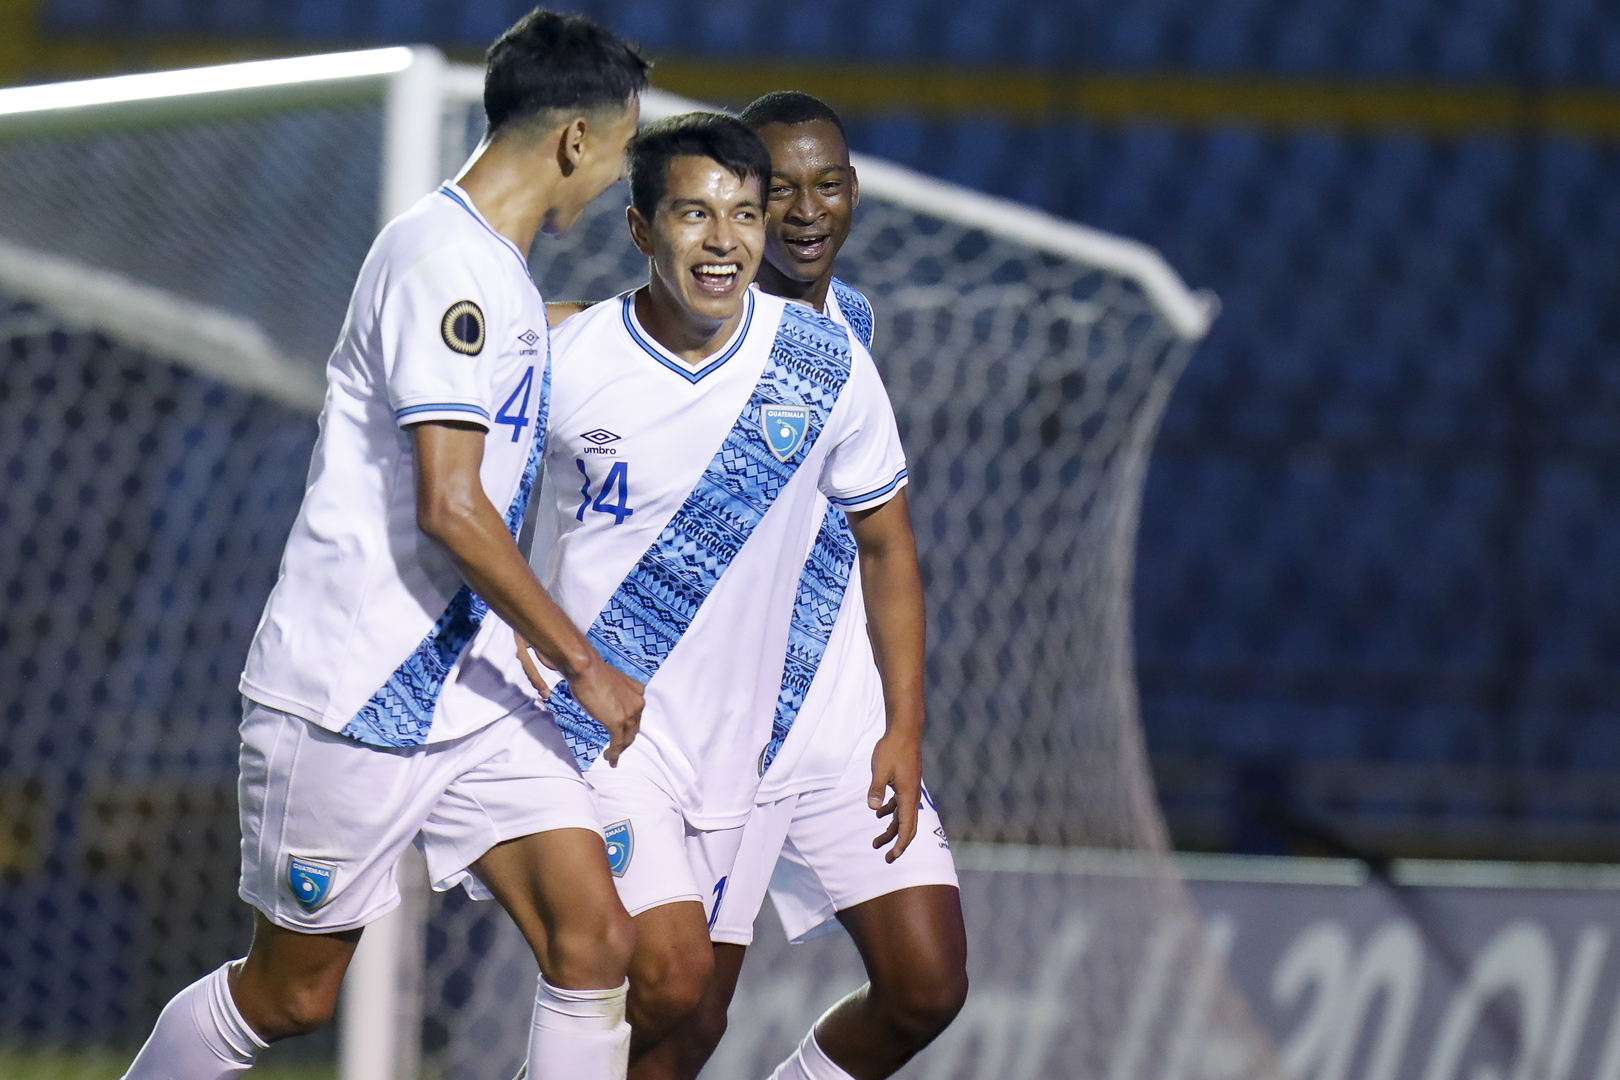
x: 449, y: 406
x: 856, y: 500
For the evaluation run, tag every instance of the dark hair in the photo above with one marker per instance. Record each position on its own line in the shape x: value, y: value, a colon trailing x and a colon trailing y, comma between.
x: 725, y: 140
x: 789, y: 107
x: 548, y: 61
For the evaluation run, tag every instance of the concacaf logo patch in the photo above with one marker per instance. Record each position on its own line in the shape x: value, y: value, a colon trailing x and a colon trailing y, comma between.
x: 463, y: 327
x: 621, y: 844
x: 311, y: 881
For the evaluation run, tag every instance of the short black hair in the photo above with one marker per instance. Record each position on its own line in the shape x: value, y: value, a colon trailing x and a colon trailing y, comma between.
x: 789, y: 107
x: 725, y: 140
x: 549, y: 62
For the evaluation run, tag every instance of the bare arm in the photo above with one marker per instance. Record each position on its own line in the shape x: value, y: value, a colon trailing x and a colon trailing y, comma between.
x: 451, y: 508
x: 892, y: 588
x: 558, y: 311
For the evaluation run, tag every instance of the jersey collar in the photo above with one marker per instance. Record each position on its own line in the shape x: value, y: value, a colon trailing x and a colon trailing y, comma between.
x: 452, y: 191
x: 632, y: 325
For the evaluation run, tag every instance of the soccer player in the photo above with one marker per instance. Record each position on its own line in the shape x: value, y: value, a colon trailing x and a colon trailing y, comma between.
x: 810, y: 840
x: 699, y: 428
x: 363, y: 728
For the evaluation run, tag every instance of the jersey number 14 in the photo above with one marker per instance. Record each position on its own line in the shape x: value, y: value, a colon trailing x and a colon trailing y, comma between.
x: 618, y: 476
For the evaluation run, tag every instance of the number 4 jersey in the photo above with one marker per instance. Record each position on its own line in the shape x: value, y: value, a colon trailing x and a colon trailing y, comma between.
x: 369, y: 629
x: 678, y: 502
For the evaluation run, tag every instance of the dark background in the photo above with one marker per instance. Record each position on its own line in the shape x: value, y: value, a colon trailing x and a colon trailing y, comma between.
x: 1378, y: 592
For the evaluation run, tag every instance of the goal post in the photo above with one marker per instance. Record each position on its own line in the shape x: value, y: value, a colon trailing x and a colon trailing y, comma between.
x: 214, y: 219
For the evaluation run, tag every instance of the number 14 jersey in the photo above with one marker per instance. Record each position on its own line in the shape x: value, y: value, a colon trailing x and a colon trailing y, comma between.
x: 677, y: 503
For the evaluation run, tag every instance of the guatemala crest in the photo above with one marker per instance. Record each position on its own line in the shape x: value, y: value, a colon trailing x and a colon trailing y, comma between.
x: 310, y: 881
x: 621, y: 844
x: 784, y: 428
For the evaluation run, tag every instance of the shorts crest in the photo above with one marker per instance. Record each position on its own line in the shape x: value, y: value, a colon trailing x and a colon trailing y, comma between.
x: 311, y: 881
x: 463, y: 327
x: 621, y: 844
x: 784, y: 428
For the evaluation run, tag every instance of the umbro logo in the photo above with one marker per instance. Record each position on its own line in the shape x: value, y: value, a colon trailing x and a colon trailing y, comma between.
x: 599, y: 439
x: 529, y: 337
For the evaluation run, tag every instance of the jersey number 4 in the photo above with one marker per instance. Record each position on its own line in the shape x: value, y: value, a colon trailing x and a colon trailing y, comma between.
x: 618, y: 476
x: 520, y: 419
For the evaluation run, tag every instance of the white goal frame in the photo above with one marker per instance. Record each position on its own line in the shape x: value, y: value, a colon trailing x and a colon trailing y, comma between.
x: 382, y: 1006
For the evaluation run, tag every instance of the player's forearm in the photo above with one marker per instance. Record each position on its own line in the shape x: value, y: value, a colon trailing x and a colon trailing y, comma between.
x: 891, y: 585
x: 488, y: 560
x: 894, y: 608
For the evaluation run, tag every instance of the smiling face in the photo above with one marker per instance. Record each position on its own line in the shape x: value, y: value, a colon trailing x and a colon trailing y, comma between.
x: 811, y: 200
x: 705, y: 238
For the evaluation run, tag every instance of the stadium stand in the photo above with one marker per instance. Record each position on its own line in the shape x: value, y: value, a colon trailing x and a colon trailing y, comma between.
x: 1377, y: 575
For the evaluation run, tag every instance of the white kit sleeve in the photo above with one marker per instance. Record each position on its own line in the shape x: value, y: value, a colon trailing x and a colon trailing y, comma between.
x: 866, y: 465
x: 435, y: 326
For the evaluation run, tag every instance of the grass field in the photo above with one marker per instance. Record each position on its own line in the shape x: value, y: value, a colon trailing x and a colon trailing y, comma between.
x: 103, y: 1065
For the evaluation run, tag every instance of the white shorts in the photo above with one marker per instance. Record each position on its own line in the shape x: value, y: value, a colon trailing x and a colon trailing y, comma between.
x: 325, y: 819
x: 813, y: 852
x: 655, y: 856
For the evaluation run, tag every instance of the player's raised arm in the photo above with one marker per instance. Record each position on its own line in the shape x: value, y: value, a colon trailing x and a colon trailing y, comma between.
x: 452, y: 508
x: 892, y: 587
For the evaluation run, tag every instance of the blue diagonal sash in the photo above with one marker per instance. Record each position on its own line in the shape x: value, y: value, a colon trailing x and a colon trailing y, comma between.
x: 651, y: 609
x: 815, y: 609
x: 400, y: 713
x: 824, y: 579
x: 857, y: 310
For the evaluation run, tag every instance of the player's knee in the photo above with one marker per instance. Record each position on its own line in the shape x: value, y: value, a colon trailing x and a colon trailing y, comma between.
x: 296, y: 1010
x: 595, y: 951
x: 923, y: 1006
x: 708, y: 1025
x: 667, y: 990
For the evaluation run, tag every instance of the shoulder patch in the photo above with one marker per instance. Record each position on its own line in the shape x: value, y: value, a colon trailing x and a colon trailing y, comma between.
x: 463, y: 327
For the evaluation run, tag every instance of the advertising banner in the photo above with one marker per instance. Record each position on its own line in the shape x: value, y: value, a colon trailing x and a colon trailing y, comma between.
x: 1114, y: 966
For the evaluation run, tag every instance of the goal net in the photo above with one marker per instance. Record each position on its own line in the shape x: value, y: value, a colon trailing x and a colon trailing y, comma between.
x: 176, y: 252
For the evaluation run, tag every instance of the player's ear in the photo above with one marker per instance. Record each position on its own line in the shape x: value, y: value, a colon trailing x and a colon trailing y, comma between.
x: 640, y: 230
x: 571, y: 145
x: 854, y: 189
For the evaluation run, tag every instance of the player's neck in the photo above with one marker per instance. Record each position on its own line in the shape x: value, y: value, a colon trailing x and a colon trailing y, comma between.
x: 503, y: 184
x: 813, y: 292
x: 691, y: 339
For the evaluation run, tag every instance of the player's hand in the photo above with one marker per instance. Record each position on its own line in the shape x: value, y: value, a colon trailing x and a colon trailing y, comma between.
x: 615, y: 700
x: 527, y: 657
x: 897, y: 767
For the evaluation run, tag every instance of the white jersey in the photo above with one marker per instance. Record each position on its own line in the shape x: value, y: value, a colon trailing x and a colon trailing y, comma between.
x: 674, y: 523
x: 845, y: 697
x: 368, y: 623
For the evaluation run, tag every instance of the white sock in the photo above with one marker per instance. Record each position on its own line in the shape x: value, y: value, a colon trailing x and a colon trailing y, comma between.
x: 200, y: 1035
x: 579, y: 1034
x: 810, y: 1062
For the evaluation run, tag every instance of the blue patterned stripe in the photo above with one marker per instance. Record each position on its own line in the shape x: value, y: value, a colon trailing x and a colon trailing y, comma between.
x: 650, y: 611
x: 856, y: 310
x: 826, y: 573
x: 400, y: 713
x: 815, y: 610
x: 448, y: 406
